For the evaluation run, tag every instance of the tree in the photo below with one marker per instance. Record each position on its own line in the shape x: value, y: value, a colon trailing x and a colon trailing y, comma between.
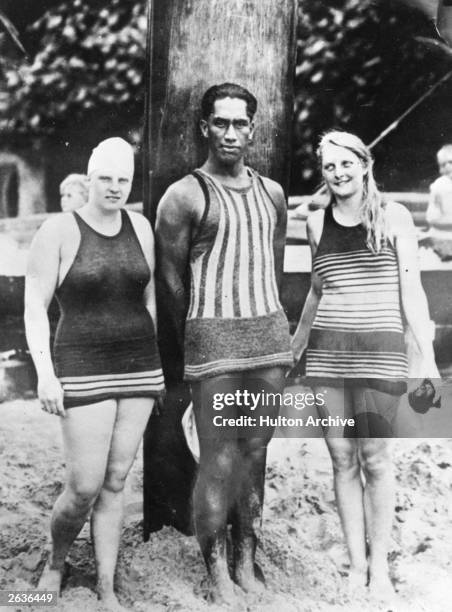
x: 359, y: 65
x: 88, y: 67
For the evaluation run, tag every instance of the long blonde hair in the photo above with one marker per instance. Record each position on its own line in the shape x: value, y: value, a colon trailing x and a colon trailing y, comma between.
x: 372, y: 210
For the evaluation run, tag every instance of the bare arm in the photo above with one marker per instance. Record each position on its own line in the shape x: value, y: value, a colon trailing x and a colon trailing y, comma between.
x: 173, y: 236
x: 301, y: 335
x: 414, y: 300
x: 279, y: 239
x: 145, y: 236
x: 40, y: 283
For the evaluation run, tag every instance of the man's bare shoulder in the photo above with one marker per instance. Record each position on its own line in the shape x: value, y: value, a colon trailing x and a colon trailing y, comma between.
x: 182, y: 197
x: 274, y: 189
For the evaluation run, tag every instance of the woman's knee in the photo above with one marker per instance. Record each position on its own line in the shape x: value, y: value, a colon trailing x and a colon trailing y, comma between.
x: 344, y: 457
x: 375, y: 458
x: 115, y: 478
x: 82, y: 494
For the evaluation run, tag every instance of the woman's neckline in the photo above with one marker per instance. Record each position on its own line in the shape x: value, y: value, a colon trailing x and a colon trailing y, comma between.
x: 106, y: 236
x: 236, y: 189
x: 343, y: 224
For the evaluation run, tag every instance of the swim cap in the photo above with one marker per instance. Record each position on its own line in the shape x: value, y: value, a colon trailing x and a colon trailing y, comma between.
x: 112, y: 154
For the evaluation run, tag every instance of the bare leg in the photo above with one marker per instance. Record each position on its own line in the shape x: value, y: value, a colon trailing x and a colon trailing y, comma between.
x: 379, y: 499
x: 248, y: 512
x: 348, y: 486
x: 87, y: 432
x: 106, y: 522
x: 253, y: 450
x: 215, y: 488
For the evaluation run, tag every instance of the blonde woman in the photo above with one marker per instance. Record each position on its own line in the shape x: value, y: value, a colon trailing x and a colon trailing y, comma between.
x: 364, y: 273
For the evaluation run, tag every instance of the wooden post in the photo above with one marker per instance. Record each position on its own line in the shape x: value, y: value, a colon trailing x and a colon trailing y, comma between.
x: 199, y: 43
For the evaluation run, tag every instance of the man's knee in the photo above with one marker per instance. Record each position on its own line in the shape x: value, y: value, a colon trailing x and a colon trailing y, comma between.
x: 220, y: 462
x: 255, y: 448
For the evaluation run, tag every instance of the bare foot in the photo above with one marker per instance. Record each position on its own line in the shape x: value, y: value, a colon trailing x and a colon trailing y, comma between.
x: 50, y: 579
x: 109, y: 602
x: 356, y: 581
x: 221, y: 590
x: 250, y: 580
x: 382, y: 590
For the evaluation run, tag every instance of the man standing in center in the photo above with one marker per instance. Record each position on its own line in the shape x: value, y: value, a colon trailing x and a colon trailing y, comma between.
x: 223, y: 227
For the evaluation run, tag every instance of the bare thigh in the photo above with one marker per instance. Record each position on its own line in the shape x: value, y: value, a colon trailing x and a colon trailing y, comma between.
x: 337, y: 402
x: 87, y: 433
x: 375, y: 412
x: 132, y: 416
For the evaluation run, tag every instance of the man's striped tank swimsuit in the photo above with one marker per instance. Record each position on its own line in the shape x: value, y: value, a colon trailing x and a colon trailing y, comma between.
x: 357, y: 332
x: 235, y: 321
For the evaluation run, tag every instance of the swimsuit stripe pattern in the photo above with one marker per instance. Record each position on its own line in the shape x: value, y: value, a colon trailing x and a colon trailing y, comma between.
x: 235, y: 321
x: 357, y: 331
x: 96, y: 387
x: 243, y: 278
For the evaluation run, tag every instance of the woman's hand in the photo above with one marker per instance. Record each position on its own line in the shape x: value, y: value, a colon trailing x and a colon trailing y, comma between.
x: 50, y: 393
x: 429, y: 367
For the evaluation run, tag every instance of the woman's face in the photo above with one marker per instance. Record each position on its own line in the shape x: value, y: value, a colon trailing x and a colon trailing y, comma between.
x: 342, y: 171
x: 109, y: 188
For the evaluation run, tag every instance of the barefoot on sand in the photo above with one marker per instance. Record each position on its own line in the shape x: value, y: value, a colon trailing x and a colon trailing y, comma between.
x: 110, y: 603
x: 50, y: 579
x: 251, y: 582
x: 356, y: 582
x: 381, y: 590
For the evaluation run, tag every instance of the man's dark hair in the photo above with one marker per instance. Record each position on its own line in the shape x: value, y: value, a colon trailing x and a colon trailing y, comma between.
x: 227, y: 90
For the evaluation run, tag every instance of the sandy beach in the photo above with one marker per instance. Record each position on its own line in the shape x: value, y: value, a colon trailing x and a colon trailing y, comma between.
x: 301, y: 548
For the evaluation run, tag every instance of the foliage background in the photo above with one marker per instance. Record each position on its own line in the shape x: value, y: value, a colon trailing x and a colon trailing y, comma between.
x: 358, y: 67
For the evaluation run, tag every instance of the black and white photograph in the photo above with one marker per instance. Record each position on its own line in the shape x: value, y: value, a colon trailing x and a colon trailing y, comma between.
x: 226, y: 305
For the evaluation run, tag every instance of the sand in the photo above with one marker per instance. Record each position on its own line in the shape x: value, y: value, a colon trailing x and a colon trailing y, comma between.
x: 301, y: 548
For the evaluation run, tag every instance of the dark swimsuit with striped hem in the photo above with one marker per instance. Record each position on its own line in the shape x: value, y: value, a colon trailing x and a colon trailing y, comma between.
x: 357, y: 337
x: 105, y: 345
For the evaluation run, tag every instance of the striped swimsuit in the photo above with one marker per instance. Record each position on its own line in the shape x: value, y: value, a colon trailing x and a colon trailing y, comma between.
x: 105, y: 345
x: 235, y: 321
x: 357, y: 336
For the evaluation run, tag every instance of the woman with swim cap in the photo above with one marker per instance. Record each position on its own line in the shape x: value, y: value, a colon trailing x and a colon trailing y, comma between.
x: 99, y: 263
x: 364, y: 272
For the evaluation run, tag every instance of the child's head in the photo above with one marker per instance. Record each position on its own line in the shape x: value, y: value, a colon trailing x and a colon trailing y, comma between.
x: 444, y: 157
x: 73, y: 192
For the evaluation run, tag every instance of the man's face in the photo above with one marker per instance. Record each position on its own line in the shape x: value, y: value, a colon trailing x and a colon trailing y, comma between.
x: 445, y: 163
x: 109, y: 188
x: 229, y: 130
